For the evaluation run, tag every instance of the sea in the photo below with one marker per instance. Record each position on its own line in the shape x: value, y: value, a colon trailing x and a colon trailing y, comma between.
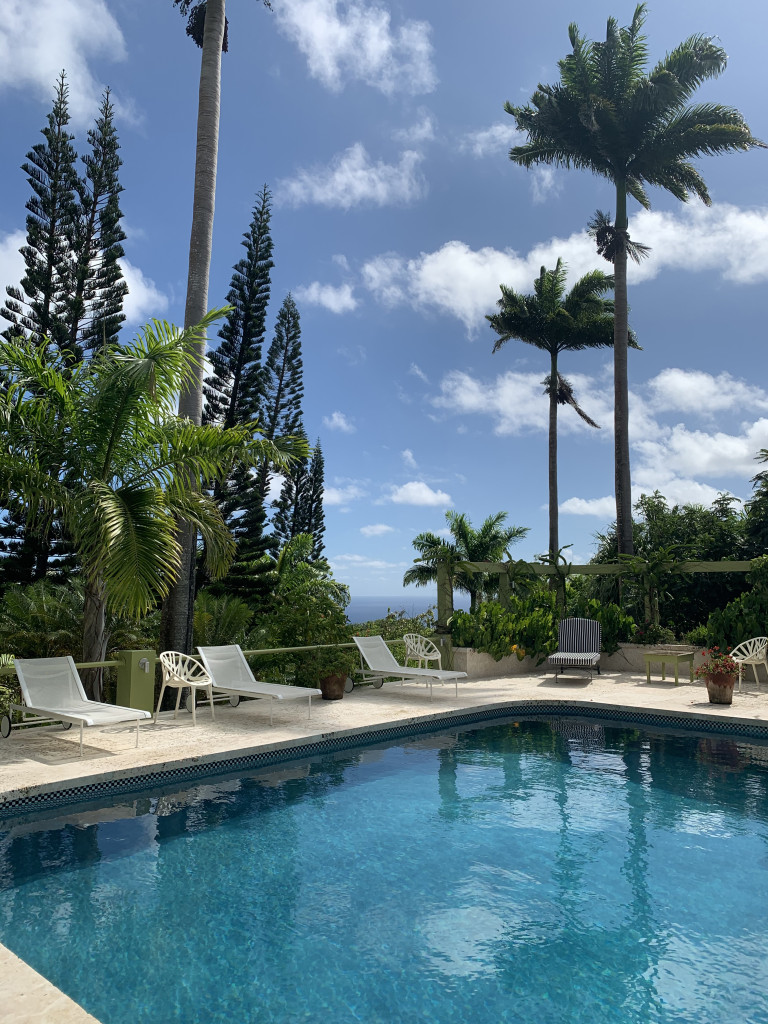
x: 363, y: 609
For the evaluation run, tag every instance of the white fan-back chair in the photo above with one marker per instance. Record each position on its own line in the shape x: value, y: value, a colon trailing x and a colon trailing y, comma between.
x: 181, y: 671
x: 421, y: 649
x: 51, y: 688
x: 752, y: 652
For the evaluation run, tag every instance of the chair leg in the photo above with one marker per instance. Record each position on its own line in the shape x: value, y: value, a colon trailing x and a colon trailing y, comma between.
x: 178, y: 701
x: 309, y: 710
x: 159, y: 702
x: 81, y: 739
x: 193, y: 694
x: 210, y: 698
x: 137, y: 731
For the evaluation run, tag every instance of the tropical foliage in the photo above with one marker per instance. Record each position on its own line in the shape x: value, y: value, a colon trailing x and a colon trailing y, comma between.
x: 608, y: 114
x: 489, y: 543
x: 98, y: 447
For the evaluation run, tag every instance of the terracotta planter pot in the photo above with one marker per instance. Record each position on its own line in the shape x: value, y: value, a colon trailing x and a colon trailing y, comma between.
x: 333, y: 687
x: 720, y: 687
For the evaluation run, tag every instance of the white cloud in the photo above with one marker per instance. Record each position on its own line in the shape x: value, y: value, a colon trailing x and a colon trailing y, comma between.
x: 354, y: 41
x: 408, y: 459
x: 695, y: 391
x: 337, y: 300
x: 604, y: 508
x: 338, y: 421
x: 40, y: 37
x: 376, y: 530
x: 497, y: 139
x: 342, y: 495
x: 418, y: 372
x: 11, y: 260
x: 144, y: 298
x: 352, y: 178
x: 545, y: 183
x: 363, y: 562
x: 517, y: 403
x: 681, y: 451
x: 464, y: 282
x: 422, y: 131
x: 416, y: 492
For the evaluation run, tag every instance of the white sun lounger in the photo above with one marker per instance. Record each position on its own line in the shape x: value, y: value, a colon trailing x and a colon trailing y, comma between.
x: 51, y: 688
x: 382, y: 665
x: 232, y: 675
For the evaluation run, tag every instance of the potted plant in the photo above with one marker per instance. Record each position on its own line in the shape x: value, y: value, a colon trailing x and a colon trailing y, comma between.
x: 720, y: 672
x: 331, y: 666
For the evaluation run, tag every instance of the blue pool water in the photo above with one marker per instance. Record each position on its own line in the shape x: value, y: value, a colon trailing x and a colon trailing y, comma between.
x: 539, y: 872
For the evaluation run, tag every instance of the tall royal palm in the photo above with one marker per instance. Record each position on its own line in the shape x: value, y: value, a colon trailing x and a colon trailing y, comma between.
x: 555, y: 321
x: 609, y: 115
x: 207, y: 27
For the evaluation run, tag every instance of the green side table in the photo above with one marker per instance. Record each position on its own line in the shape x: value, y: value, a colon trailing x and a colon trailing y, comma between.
x: 675, y: 657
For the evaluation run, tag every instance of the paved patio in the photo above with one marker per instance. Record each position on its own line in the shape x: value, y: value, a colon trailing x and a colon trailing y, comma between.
x: 45, y: 760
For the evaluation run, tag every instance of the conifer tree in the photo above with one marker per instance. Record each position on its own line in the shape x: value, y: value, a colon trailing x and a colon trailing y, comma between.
x: 38, y: 306
x: 312, y: 513
x: 95, y: 307
x: 290, y: 507
x: 233, y: 392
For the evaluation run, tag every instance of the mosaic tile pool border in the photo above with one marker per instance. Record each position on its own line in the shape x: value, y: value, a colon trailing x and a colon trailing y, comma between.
x: 51, y: 800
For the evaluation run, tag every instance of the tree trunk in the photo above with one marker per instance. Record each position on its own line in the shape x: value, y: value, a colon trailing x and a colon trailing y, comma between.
x: 94, y: 638
x: 620, y: 383
x: 177, y: 610
x: 554, y: 538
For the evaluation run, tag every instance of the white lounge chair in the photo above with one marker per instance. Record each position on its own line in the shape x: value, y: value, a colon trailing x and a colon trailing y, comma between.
x: 51, y: 688
x: 381, y: 665
x: 232, y: 675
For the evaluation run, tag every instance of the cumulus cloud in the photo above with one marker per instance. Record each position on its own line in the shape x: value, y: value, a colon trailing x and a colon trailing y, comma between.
x: 498, y: 138
x: 343, y: 494
x: 422, y: 131
x: 603, y: 508
x: 695, y: 391
x: 355, y: 41
x: 376, y: 530
x: 516, y: 401
x: 40, y: 37
x: 464, y: 283
x: 335, y: 299
x: 144, y: 298
x: 352, y: 179
x: 545, y: 183
x: 408, y: 459
x: 416, y: 492
x: 11, y: 260
x: 338, y: 421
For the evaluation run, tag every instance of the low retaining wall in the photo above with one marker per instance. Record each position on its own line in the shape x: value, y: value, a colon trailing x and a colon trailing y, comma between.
x: 629, y: 658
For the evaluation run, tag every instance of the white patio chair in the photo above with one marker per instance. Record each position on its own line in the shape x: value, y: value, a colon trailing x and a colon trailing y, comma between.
x: 421, y: 649
x: 51, y: 689
x: 231, y: 674
x: 578, y: 645
x: 181, y: 671
x: 379, y: 664
x: 752, y: 652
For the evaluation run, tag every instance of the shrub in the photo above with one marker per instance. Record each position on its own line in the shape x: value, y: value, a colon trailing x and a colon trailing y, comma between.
x: 527, y: 627
x: 744, y: 617
x: 615, y: 626
x: 651, y: 634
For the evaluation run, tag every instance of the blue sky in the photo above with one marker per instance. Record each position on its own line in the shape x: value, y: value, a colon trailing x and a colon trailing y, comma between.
x: 379, y: 128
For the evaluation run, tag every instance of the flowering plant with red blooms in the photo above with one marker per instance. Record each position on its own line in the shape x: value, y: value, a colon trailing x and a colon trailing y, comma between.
x: 717, y: 663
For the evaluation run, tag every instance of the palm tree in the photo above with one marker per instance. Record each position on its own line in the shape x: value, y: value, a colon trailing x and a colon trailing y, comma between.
x: 207, y: 26
x: 608, y: 115
x: 489, y: 543
x: 125, y: 468
x: 556, y: 322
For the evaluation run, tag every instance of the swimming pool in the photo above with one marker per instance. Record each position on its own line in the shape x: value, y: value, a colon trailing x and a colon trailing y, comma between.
x: 550, y: 871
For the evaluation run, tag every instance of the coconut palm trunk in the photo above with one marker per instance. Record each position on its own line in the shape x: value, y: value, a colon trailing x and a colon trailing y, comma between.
x: 176, y: 629
x: 554, y: 532
x: 623, y: 481
x: 94, y: 637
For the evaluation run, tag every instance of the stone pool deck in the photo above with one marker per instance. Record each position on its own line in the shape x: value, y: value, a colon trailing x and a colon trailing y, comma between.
x: 39, y: 761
